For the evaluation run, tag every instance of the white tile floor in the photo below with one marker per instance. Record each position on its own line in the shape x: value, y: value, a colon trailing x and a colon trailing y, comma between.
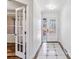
x: 51, y: 51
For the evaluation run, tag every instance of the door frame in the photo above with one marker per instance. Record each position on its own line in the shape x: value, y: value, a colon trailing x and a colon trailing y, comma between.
x: 26, y: 30
x: 19, y: 53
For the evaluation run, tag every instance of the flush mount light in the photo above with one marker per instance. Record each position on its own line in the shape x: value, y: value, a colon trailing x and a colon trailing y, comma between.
x: 50, y: 6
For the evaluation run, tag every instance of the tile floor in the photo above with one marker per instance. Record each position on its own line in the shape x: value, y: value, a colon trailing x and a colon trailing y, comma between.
x: 51, y: 51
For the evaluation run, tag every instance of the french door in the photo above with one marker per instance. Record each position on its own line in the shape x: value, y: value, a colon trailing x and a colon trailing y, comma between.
x: 49, y: 30
x: 20, y: 32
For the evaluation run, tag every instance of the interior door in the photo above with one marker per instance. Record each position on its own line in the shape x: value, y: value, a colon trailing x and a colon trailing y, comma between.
x: 51, y: 33
x: 20, y: 32
x: 48, y: 30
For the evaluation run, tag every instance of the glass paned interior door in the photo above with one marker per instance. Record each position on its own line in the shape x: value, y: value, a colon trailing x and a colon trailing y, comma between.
x: 20, y: 31
x: 48, y: 29
x: 44, y: 30
x: 52, y: 25
x: 20, y: 36
x: 51, y: 30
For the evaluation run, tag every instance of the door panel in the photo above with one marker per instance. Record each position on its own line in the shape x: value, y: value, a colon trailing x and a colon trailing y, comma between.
x: 20, y: 35
x: 49, y: 30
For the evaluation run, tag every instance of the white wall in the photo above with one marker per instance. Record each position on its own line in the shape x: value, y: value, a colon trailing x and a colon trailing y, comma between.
x: 33, y: 28
x: 65, y: 28
x: 29, y: 28
x: 54, y: 14
x: 36, y: 27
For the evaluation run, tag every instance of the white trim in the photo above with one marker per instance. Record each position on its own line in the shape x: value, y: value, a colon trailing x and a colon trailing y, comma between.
x: 19, y: 53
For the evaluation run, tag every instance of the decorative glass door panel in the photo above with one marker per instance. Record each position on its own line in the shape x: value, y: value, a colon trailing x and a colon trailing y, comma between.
x: 48, y: 30
x: 44, y: 30
x: 20, y: 35
x: 52, y: 25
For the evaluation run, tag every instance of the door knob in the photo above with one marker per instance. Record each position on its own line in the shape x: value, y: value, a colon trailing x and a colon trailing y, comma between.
x: 15, y: 34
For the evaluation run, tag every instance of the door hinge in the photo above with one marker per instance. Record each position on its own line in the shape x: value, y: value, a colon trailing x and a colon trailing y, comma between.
x: 25, y: 11
x: 25, y: 53
x: 25, y: 32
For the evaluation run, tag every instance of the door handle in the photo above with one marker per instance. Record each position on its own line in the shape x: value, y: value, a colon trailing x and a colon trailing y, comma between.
x: 21, y: 42
x: 25, y: 32
x: 15, y: 34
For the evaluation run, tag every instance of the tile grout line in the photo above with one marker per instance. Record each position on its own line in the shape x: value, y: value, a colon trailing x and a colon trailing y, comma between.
x: 67, y: 55
x: 36, y: 55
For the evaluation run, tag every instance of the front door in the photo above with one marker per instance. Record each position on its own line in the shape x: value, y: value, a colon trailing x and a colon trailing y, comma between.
x: 20, y: 32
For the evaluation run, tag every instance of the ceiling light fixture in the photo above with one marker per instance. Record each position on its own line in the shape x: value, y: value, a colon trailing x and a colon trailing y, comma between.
x: 50, y: 6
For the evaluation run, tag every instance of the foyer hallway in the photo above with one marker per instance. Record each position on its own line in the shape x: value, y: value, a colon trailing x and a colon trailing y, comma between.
x: 32, y: 22
x: 51, y: 51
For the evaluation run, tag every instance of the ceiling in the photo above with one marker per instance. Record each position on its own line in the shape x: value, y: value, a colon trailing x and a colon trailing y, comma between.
x: 12, y: 5
x: 44, y: 4
x: 51, y: 4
